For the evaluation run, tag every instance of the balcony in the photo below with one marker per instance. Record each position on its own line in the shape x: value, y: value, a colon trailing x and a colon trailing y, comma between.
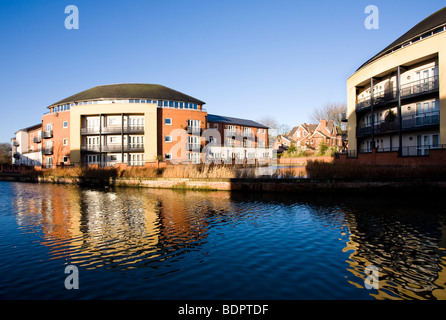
x: 112, y: 130
x: 420, y: 87
x: 132, y: 147
x: 37, y: 139
x: 426, y: 120
x: 47, y: 134
x: 380, y: 98
x: 193, y: 146
x: 194, y: 130
x: 15, y: 143
x: 421, y: 121
x: 379, y: 128
x: 48, y: 151
x: 409, y: 90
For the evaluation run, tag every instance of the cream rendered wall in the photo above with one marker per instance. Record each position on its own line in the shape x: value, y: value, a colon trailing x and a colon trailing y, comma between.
x: 150, y: 125
x: 429, y: 47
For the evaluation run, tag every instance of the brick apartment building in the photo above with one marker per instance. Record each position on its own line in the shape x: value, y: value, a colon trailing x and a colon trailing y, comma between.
x: 135, y: 124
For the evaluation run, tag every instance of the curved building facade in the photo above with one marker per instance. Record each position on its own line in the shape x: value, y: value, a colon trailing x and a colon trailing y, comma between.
x: 396, y: 101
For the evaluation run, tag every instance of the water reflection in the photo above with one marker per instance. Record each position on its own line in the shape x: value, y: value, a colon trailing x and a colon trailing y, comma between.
x: 127, y: 229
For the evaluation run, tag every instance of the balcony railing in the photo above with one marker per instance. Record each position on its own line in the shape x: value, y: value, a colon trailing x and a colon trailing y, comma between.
x: 47, y: 134
x: 48, y: 151
x: 37, y: 139
x: 420, y: 87
x: 15, y: 144
x: 420, y: 150
x: 408, y: 90
x: 421, y: 120
x: 113, y: 148
x: 192, y: 129
x: 112, y: 130
x: 193, y: 146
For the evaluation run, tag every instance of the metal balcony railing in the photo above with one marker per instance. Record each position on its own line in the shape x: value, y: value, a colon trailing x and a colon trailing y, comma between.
x: 112, y: 130
x: 421, y: 120
x: 48, y: 151
x: 113, y: 148
x: 419, y: 87
x: 192, y: 129
x: 47, y: 134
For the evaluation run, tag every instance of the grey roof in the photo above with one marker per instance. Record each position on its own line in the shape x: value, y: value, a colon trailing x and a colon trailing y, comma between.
x: 235, y: 121
x: 36, y: 126
x: 131, y: 91
x: 429, y: 24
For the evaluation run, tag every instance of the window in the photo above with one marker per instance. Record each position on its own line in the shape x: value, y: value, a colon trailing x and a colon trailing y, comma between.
x: 65, y: 159
x: 168, y: 156
x: 114, y: 140
x: 167, y: 138
x: 114, y: 121
x: 167, y: 121
x: 65, y: 142
x: 113, y: 157
x: 65, y: 124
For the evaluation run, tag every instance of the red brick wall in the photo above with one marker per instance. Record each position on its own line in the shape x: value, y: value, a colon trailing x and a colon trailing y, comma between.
x: 255, y: 137
x: 179, y: 120
x: 59, y: 133
x: 436, y: 157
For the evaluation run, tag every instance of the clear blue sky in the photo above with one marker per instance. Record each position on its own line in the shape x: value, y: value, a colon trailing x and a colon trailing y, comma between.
x: 244, y: 58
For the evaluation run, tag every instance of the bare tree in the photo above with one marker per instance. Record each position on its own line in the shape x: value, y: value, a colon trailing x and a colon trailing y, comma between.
x: 330, y: 111
x: 269, y: 121
x: 5, y: 153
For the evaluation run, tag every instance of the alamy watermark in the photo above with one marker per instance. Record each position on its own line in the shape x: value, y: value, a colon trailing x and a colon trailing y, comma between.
x: 372, y: 277
x: 72, y: 21
x: 372, y: 20
x: 72, y: 280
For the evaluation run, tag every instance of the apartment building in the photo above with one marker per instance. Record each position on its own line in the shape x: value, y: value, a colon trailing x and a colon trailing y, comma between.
x: 235, y: 138
x: 27, y: 146
x: 130, y: 124
x: 397, y: 99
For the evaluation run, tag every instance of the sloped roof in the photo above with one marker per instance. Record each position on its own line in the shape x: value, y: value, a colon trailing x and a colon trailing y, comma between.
x: 131, y: 91
x: 235, y: 121
x: 432, y: 22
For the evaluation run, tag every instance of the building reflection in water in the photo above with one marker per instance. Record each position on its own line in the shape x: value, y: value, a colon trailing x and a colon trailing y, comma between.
x: 123, y: 230
x: 405, y: 240
x: 128, y: 229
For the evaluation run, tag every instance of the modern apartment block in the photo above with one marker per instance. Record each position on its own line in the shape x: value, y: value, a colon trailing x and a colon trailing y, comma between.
x: 397, y: 99
x: 27, y: 146
x: 130, y: 124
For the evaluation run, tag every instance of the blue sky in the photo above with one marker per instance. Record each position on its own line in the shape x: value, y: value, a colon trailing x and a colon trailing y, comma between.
x: 244, y: 58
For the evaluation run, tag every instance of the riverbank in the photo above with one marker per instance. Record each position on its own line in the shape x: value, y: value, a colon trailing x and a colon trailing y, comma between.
x: 314, y: 178
x: 301, y: 186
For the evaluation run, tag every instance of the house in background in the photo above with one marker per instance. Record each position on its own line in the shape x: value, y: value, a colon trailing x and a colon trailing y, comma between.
x: 309, y: 137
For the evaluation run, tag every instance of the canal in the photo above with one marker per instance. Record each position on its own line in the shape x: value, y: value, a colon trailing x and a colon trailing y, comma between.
x: 169, y: 244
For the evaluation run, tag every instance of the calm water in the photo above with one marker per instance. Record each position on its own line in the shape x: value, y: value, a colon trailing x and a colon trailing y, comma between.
x: 164, y: 244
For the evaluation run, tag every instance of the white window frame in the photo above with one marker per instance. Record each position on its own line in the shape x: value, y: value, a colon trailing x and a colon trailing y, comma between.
x: 170, y: 121
x: 65, y: 124
x: 168, y: 139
